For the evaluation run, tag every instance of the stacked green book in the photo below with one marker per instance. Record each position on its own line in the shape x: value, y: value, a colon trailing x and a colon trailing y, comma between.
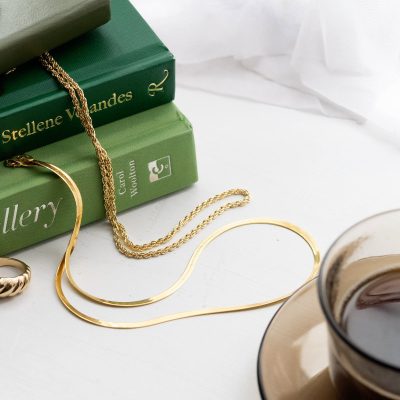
x: 124, y: 69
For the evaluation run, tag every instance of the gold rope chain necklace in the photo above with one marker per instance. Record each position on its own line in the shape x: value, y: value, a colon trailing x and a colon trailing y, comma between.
x: 121, y: 239
x: 140, y: 251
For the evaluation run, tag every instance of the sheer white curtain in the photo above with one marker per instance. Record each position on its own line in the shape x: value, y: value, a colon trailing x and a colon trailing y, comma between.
x: 335, y: 57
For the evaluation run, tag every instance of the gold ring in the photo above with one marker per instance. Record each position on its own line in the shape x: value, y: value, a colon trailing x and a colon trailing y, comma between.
x: 14, y: 285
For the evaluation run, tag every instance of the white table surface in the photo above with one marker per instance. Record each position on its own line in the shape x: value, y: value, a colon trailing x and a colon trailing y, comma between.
x: 322, y: 174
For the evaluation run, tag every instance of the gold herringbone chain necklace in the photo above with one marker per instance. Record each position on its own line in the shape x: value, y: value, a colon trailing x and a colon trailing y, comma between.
x: 125, y: 246
x: 120, y: 236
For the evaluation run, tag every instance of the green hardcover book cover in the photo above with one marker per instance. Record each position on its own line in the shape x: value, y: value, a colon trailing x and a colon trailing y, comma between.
x: 153, y: 154
x: 122, y: 66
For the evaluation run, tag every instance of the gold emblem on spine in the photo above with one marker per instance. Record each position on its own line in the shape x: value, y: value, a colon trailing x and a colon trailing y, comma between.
x: 157, y: 87
x: 10, y: 71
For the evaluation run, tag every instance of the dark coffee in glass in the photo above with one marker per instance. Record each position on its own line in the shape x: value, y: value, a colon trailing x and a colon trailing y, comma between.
x: 371, y: 317
x: 359, y: 291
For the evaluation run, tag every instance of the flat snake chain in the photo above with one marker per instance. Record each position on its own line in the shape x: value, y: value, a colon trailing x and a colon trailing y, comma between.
x: 64, y: 266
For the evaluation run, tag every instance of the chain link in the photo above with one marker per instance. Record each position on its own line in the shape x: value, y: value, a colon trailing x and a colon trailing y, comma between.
x: 120, y: 236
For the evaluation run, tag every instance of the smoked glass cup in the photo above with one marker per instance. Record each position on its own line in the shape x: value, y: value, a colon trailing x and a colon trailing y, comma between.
x: 365, y: 251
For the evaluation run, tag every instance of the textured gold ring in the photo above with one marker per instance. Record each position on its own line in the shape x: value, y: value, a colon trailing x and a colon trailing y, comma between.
x: 14, y: 285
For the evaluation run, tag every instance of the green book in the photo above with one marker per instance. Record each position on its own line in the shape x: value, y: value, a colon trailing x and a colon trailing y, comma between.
x: 153, y: 154
x: 122, y: 66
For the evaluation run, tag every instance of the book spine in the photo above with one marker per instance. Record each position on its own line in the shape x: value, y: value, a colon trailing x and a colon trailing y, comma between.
x: 45, y: 207
x: 116, y: 96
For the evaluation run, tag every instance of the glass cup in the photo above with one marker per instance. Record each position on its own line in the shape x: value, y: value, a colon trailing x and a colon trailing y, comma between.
x: 361, y: 254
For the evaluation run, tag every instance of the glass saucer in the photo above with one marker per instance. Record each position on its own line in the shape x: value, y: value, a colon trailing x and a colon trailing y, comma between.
x: 293, y: 358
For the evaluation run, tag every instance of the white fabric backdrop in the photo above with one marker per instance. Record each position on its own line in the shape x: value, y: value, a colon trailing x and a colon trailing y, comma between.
x: 335, y: 57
